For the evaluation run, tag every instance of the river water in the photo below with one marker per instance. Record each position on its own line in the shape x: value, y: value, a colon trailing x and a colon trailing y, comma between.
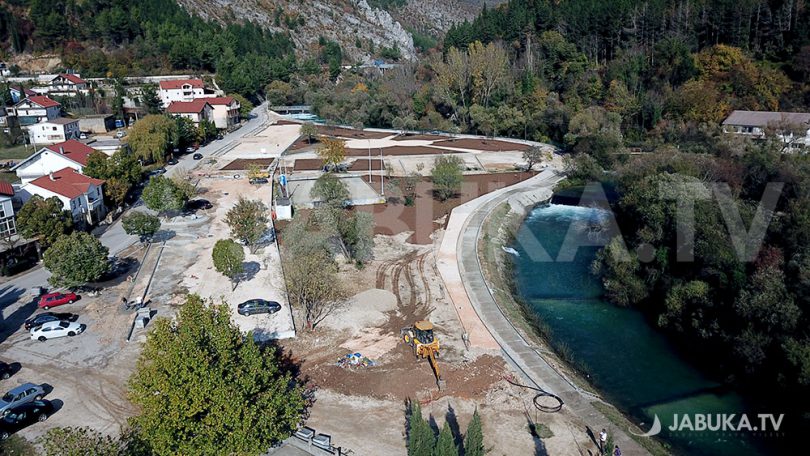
x: 631, y: 364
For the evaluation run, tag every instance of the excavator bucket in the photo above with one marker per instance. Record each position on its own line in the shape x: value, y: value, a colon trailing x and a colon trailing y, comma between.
x: 441, y: 384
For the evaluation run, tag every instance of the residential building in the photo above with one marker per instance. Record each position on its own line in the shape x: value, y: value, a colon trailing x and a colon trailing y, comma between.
x: 197, y: 110
x: 67, y: 84
x: 53, y: 131
x: 18, y: 93
x: 34, y: 109
x: 182, y: 90
x: 7, y: 122
x: 225, y: 111
x: 69, y: 154
x: 8, y: 225
x: 793, y: 128
x: 81, y: 195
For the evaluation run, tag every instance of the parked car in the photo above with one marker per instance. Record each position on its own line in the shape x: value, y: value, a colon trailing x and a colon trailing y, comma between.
x: 56, y: 329
x: 190, y: 149
x: 157, y: 172
x: 171, y: 161
x: 120, y: 134
x: 5, y: 371
x: 45, y: 317
x: 197, y: 156
x: 23, y: 394
x: 86, y: 290
x: 23, y: 416
x: 83, y: 136
x: 257, y: 306
x: 258, y: 181
x: 56, y: 299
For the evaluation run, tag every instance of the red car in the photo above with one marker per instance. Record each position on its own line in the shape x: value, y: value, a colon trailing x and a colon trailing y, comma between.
x: 56, y: 299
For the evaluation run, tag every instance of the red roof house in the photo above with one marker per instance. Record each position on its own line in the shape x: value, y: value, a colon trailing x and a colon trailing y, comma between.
x: 66, y: 182
x: 178, y: 84
x: 43, y: 101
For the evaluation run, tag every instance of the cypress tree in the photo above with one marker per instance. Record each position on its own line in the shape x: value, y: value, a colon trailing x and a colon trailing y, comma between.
x: 474, y: 439
x: 420, y: 436
x: 445, y: 446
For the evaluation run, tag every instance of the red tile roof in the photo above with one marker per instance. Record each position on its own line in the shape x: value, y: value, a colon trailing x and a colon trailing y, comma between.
x: 73, y: 150
x: 185, y: 107
x: 6, y: 189
x: 28, y: 92
x: 179, y: 83
x: 73, y: 78
x: 219, y: 100
x: 43, y: 101
x: 66, y: 182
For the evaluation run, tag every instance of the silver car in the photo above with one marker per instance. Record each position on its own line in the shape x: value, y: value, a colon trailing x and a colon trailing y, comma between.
x: 20, y: 395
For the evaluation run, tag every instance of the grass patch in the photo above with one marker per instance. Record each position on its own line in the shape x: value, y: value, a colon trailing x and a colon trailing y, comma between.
x: 655, y: 447
x: 17, y: 446
x: 15, y: 153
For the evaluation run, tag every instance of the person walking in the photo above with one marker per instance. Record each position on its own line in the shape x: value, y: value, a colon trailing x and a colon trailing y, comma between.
x: 602, y: 441
x: 617, y: 451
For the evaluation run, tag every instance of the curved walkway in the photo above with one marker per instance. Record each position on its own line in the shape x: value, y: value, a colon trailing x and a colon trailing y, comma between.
x: 482, y: 318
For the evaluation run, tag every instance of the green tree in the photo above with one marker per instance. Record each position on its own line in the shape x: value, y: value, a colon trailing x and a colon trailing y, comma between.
x: 309, y: 130
x: 359, y: 237
x: 311, y: 279
x: 421, y: 440
x: 248, y: 221
x: 162, y: 194
x: 245, y: 106
x: 445, y: 445
x: 228, y: 257
x: 204, y: 388
x: 78, y: 441
x: 152, y: 137
x: 447, y: 176
x: 330, y: 190
x: 332, y: 151
x: 534, y: 155
x: 151, y: 99
x: 141, y: 224
x: 44, y: 219
x: 121, y: 171
x: 76, y: 259
x: 474, y: 438
x: 187, y: 133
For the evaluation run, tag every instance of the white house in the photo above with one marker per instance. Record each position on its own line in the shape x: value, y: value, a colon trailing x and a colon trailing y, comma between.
x: 81, y: 195
x: 67, y: 84
x: 793, y: 128
x: 34, y: 109
x: 197, y: 110
x: 53, y: 131
x: 181, y: 90
x: 8, y: 226
x: 226, y: 111
x: 69, y: 154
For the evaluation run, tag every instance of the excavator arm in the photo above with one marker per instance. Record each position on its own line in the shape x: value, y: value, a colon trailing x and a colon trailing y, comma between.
x: 435, y: 366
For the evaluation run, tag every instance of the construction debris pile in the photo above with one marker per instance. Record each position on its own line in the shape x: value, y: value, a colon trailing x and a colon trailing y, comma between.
x: 355, y: 360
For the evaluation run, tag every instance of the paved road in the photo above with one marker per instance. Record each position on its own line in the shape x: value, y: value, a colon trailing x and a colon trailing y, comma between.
x: 114, y: 238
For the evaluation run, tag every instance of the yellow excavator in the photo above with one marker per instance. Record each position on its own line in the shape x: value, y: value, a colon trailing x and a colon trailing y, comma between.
x: 425, y: 345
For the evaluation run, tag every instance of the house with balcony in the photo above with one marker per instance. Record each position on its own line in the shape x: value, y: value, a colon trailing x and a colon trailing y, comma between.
x: 53, y: 131
x: 67, y: 84
x: 35, y: 109
x: 8, y: 224
x: 196, y: 110
x: 225, y: 111
x: 69, y: 154
x: 81, y: 195
x: 182, y: 90
x: 792, y: 128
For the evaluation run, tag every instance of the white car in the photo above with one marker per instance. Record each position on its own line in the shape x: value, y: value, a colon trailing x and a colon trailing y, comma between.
x: 54, y: 329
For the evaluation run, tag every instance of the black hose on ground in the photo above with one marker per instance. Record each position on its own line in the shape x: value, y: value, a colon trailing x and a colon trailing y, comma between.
x: 541, y: 393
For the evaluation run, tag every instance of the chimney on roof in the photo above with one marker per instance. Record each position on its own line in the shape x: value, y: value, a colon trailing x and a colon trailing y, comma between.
x: 51, y: 176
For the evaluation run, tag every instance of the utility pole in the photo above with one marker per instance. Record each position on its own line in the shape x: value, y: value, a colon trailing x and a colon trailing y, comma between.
x: 382, y: 173
x: 369, y: 160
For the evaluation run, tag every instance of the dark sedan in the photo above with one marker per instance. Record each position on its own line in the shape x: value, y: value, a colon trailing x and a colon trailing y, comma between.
x: 5, y: 371
x: 257, y: 306
x: 23, y: 416
x: 44, y: 317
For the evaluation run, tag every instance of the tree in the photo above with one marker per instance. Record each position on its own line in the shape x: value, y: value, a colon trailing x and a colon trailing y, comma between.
x: 406, y: 185
x: 420, y: 436
x: 228, y: 257
x: 162, y: 194
x: 312, y: 282
x: 447, y: 176
x: 76, y: 259
x: 309, y: 130
x: 151, y: 99
x: 474, y: 438
x: 187, y: 133
x: 332, y: 151
x: 359, y: 237
x: 534, y: 155
x: 152, y: 137
x: 142, y: 224
x: 121, y: 171
x: 248, y: 221
x: 78, y: 441
x: 202, y: 387
x: 330, y: 190
x: 44, y: 220
x: 445, y: 445
x: 245, y: 106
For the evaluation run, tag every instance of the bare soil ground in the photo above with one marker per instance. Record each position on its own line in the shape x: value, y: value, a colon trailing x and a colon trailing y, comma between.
x: 415, y: 137
x: 490, y: 145
x: 362, y: 165
x: 353, y: 134
x: 403, y: 150
x: 308, y: 164
x: 245, y: 163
